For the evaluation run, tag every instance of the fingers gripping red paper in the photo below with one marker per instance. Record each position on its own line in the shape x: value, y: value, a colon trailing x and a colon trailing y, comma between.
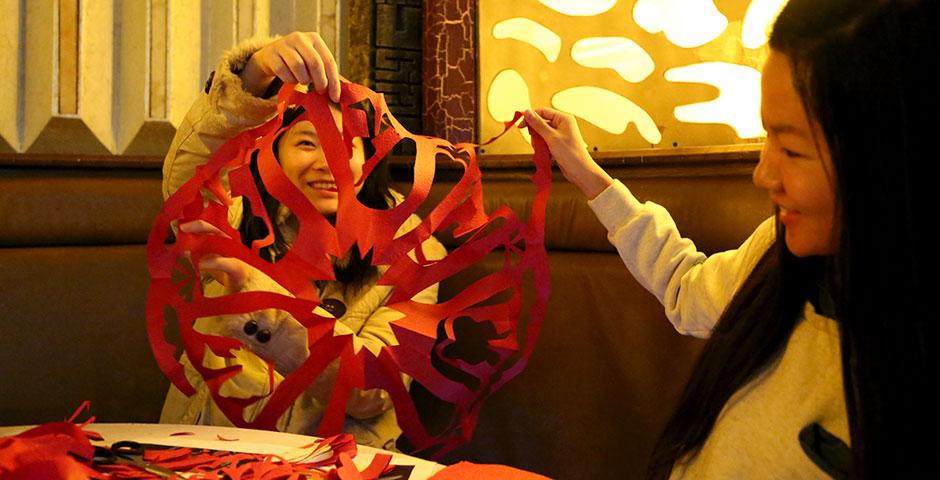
x: 462, y: 349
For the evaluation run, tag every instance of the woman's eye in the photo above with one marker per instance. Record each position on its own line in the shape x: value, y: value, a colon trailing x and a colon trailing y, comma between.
x: 308, y: 144
x: 791, y: 153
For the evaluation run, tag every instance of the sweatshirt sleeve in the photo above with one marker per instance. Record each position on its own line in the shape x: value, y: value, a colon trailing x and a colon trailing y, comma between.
x: 693, y: 288
x: 217, y: 116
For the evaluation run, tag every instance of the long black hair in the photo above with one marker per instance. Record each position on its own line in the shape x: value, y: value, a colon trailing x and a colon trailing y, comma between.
x: 375, y: 193
x: 862, y: 70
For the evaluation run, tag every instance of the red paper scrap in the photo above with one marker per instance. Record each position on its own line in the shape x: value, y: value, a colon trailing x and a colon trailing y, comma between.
x: 462, y: 350
x: 342, y: 444
x: 61, y: 450
x: 51, y: 450
x: 475, y: 471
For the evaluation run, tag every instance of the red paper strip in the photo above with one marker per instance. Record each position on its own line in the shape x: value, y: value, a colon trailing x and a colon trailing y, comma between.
x: 473, y: 471
x: 51, y: 450
x: 462, y: 349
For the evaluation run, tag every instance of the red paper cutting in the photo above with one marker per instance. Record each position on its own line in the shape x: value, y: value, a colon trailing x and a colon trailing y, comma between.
x: 475, y: 471
x: 461, y: 350
x: 52, y: 450
x: 61, y: 450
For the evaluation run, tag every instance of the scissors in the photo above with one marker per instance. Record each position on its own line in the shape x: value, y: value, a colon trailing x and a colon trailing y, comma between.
x: 129, y: 453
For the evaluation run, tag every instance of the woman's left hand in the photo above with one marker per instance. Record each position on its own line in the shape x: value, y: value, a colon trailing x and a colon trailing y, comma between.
x: 301, y: 57
x: 561, y: 134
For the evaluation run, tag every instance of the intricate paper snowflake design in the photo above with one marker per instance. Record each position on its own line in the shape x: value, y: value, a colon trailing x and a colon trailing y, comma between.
x: 461, y: 349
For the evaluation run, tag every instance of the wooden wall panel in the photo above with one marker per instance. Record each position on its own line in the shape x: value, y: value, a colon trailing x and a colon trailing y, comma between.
x: 11, y: 45
x: 68, y: 56
x: 101, y: 80
x: 68, y: 92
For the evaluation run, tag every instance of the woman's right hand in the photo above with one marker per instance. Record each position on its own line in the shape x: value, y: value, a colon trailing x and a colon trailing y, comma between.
x: 300, y: 57
x: 561, y: 134
x: 232, y: 273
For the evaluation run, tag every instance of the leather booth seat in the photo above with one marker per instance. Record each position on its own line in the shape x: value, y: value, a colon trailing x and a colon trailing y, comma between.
x: 605, y: 372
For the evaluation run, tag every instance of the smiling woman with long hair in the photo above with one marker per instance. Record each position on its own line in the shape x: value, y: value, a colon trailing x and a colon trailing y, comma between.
x: 822, y: 353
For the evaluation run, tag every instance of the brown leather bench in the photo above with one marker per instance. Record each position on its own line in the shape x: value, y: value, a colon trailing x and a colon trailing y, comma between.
x: 606, y: 370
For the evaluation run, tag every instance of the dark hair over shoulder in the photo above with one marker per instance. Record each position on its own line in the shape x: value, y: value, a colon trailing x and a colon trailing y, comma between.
x: 863, y: 70
x: 751, y: 334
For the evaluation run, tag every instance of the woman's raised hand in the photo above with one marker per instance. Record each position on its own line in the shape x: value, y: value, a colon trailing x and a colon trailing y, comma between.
x: 561, y: 134
x: 300, y: 57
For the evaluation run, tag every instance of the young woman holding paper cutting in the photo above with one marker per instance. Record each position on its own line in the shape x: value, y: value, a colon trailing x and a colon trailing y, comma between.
x: 823, y: 356
x: 239, y: 97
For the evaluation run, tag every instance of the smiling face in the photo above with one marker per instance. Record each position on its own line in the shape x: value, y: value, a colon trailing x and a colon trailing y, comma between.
x: 795, y: 166
x: 301, y: 156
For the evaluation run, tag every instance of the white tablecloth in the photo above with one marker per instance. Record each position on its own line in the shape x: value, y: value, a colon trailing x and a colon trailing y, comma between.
x: 238, y: 440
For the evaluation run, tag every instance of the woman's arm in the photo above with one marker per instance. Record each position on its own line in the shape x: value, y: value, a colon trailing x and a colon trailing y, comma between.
x: 232, y: 102
x: 693, y: 288
x: 221, y: 113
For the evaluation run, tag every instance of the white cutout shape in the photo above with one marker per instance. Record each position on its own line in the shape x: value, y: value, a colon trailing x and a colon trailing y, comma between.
x: 508, y: 94
x: 686, y: 23
x: 760, y: 15
x: 608, y: 110
x: 620, y: 54
x: 738, y: 101
x: 580, y: 8
x: 531, y: 32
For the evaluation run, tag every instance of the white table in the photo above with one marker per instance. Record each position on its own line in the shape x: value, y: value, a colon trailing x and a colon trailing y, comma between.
x: 248, y: 441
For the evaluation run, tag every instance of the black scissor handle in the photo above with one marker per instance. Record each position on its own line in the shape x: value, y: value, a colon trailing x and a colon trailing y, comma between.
x: 127, y: 448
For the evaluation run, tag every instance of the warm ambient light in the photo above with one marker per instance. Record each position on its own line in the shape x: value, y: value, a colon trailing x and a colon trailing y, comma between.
x: 531, y: 32
x: 686, y: 23
x: 757, y: 21
x: 608, y: 110
x: 738, y: 101
x: 620, y: 54
x: 508, y: 94
x: 580, y: 8
x: 684, y: 72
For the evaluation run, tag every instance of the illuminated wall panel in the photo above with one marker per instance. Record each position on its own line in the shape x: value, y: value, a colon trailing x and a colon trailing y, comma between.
x: 637, y: 73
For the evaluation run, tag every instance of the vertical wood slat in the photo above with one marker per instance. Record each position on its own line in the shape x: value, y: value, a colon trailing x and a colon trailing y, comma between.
x: 306, y: 15
x: 11, y: 43
x: 329, y: 16
x: 245, y: 19
x: 357, y: 57
x: 280, y: 16
x: 68, y: 56
x: 158, y: 47
x: 221, y: 28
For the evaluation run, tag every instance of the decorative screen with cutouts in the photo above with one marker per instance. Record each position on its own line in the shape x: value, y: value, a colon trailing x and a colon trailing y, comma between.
x: 637, y: 73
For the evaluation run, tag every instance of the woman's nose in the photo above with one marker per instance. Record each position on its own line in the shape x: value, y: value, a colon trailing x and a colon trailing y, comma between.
x: 318, y: 161
x: 766, y: 174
